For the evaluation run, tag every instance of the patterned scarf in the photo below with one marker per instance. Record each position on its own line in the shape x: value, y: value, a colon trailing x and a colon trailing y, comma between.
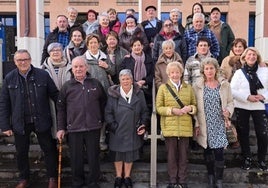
x: 139, y: 69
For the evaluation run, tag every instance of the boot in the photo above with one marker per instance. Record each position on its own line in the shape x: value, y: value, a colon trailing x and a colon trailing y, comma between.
x: 211, y: 181
x: 210, y: 168
x: 219, y: 167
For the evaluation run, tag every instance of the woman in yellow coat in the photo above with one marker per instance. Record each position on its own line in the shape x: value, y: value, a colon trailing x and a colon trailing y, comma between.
x: 176, y: 123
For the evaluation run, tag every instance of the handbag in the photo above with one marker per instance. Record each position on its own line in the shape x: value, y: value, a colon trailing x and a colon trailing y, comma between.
x: 231, y: 132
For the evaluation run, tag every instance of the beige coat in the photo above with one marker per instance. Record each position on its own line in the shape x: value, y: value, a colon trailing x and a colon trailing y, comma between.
x: 226, y: 68
x: 226, y: 101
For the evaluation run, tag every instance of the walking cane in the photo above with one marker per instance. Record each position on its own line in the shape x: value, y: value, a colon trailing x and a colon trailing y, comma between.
x: 59, y: 160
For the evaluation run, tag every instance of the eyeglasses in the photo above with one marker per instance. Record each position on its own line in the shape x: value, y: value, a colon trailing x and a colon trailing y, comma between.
x: 22, y: 60
x: 55, y: 50
x: 168, y: 25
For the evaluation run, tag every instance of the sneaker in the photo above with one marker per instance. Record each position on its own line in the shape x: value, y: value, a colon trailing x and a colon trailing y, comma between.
x: 262, y: 166
x: 172, y: 185
x: 118, y: 182
x: 103, y: 146
x: 128, y: 182
x: 247, y: 164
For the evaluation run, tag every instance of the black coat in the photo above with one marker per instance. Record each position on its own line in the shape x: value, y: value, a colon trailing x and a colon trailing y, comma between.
x: 81, y: 106
x: 41, y: 88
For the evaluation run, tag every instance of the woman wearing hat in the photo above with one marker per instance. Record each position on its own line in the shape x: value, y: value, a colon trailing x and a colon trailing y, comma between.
x: 132, y: 31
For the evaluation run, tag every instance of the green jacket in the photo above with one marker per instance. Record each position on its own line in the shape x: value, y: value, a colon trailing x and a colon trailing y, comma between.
x: 172, y: 125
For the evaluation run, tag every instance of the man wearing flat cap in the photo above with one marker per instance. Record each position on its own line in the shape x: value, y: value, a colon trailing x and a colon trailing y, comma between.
x: 152, y: 25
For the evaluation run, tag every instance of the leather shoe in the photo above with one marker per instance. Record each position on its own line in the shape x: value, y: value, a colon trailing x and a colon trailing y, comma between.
x: 23, y: 184
x: 52, y: 183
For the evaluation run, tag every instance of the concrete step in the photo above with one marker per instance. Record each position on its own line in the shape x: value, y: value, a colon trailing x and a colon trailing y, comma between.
x: 141, y: 175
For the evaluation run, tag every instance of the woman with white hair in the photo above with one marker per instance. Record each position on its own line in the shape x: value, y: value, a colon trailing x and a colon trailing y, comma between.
x: 176, y: 122
x: 127, y: 116
x: 250, y: 91
x: 168, y: 55
x: 175, y: 16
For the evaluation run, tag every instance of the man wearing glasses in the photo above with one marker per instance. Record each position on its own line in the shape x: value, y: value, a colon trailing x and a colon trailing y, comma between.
x: 24, y: 108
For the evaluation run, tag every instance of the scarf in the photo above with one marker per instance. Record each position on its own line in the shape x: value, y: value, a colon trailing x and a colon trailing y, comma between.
x: 58, y: 76
x: 105, y: 31
x: 139, y: 68
x: 131, y: 30
x: 254, y: 82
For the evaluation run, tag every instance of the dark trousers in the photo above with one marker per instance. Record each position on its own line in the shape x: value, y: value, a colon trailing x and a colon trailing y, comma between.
x: 48, y: 146
x: 211, y: 157
x: 260, y: 126
x: 81, y: 143
x: 177, y: 157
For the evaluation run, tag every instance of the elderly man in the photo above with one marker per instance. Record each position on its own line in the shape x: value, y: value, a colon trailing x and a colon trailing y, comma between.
x: 80, y: 108
x: 60, y: 34
x: 199, y: 30
x: 24, y: 108
x: 222, y: 31
x: 152, y: 25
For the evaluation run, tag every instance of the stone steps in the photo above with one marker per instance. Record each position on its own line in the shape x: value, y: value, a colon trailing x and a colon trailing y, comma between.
x: 141, y: 170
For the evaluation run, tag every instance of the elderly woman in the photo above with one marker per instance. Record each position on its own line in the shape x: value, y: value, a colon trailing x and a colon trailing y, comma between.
x: 167, y: 33
x: 56, y: 65
x: 175, y: 16
x: 132, y: 31
x: 92, y: 23
x: 127, y: 116
x: 250, y: 91
x: 115, y: 53
x: 214, y: 107
x: 100, y: 68
x: 103, y: 29
x: 77, y: 45
x: 176, y: 122
x: 142, y: 68
x: 168, y: 55
x: 229, y: 67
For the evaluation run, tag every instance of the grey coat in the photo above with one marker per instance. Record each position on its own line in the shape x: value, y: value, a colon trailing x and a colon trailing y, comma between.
x: 124, y: 118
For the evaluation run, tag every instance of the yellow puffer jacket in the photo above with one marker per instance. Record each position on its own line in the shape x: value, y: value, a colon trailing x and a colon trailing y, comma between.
x: 172, y: 125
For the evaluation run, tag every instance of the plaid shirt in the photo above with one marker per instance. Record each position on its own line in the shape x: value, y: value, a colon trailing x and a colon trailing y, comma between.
x: 191, y: 37
x: 63, y: 38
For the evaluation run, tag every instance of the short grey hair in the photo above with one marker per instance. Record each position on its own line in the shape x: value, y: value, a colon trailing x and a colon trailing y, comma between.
x: 54, y: 45
x: 126, y: 72
x: 70, y: 9
x: 199, y: 15
x: 22, y: 51
x: 168, y: 42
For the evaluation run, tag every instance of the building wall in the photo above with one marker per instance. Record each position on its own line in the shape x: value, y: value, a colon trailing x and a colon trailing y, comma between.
x: 237, y: 10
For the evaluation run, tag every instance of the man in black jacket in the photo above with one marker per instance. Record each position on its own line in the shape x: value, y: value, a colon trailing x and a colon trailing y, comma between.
x: 80, y: 108
x: 60, y: 34
x: 24, y: 108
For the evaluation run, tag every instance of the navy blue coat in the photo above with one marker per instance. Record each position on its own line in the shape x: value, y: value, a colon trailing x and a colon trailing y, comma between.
x: 41, y: 88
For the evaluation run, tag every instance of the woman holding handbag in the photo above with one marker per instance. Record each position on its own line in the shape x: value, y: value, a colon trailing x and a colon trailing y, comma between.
x: 215, y: 105
x: 250, y: 91
x: 176, y: 122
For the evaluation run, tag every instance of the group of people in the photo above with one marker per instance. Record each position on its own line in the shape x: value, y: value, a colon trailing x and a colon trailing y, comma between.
x: 97, y: 77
